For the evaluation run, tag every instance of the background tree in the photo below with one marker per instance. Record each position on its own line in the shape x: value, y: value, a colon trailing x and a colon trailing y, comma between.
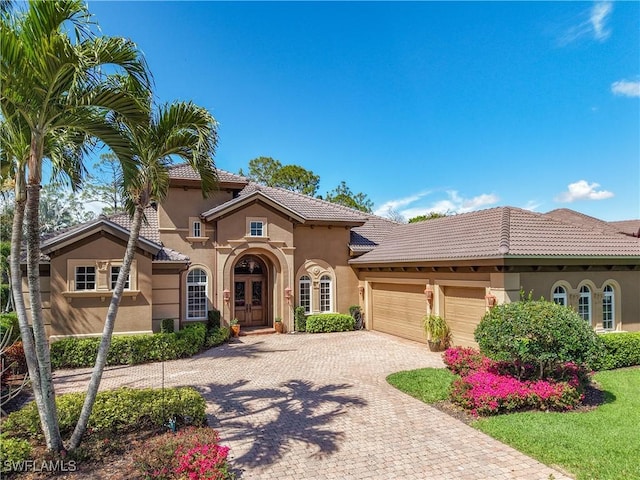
x: 104, y: 186
x: 342, y: 195
x: 428, y: 216
x: 272, y: 173
x: 61, y: 208
x: 396, y: 216
x: 55, y: 86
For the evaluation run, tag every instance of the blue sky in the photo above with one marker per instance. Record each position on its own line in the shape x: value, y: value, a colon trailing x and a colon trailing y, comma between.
x: 421, y: 105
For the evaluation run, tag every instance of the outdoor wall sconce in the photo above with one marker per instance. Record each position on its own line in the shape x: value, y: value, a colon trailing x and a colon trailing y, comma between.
x: 288, y: 293
x: 361, y: 290
x: 429, y: 293
x: 226, y: 294
x: 492, y: 300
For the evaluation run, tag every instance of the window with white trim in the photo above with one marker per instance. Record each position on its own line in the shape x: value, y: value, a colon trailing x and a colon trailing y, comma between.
x: 85, y: 277
x: 197, y: 294
x: 608, y: 308
x: 304, y: 293
x: 325, y: 293
x: 560, y: 296
x: 584, y: 303
x: 256, y: 228
x: 113, y: 275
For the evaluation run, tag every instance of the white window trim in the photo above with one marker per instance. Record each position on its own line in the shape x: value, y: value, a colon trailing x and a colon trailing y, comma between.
x: 612, y: 296
x: 305, y: 280
x: 112, y: 282
x: 206, y: 293
x: 192, y: 237
x: 262, y: 220
x: 323, y: 280
x: 75, y: 278
x: 589, y: 296
x: 564, y: 295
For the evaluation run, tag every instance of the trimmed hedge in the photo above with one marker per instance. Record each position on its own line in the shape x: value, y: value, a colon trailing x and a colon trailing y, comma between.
x: 329, y: 322
x: 620, y: 350
x: 300, y: 318
x: 114, y: 411
x: 217, y: 336
x: 129, y: 349
x: 10, y: 321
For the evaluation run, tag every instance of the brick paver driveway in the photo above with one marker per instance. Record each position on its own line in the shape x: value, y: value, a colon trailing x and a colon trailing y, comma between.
x: 318, y: 407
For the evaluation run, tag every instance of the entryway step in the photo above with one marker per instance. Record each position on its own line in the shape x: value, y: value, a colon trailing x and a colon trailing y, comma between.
x: 244, y: 331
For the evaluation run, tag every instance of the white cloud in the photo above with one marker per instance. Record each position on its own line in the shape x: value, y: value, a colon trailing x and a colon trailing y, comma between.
x: 594, y: 25
x: 626, y: 88
x: 454, y: 203
x: 583, y: 190
x: 532, y: 205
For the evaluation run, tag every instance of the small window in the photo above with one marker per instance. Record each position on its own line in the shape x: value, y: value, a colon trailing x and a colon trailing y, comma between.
x: 325, y: 293
x: 608, y: 308
x: 115, y: 271
x: 584, y: 303
x: 560, y: 296
x: 197, y: 229
x: 256, y: 228
x: 85, y: 278
x: 304, y: 293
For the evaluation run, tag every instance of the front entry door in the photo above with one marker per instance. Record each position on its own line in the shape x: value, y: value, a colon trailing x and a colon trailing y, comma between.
x: 249, y: 300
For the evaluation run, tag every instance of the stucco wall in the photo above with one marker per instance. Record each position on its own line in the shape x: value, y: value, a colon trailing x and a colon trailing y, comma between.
x: 86, y: 314
x: 627, y: 295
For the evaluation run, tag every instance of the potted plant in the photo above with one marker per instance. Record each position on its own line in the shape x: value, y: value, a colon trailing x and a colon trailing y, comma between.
x: 235, y: 327
x: 277, y: 324
x: 438, y: 333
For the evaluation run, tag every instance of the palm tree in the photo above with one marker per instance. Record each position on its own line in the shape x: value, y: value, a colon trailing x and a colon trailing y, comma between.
x: 56, y: 86
x: 179, y: 129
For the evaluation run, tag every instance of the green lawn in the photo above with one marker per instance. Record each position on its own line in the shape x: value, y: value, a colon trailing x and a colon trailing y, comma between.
x: 602, y: 444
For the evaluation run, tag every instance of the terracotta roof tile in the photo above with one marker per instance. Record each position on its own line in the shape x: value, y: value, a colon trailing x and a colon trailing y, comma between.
x: 371, y: 234
x: 184, y: 171
x: 628, y: 227
x: 497, y: 232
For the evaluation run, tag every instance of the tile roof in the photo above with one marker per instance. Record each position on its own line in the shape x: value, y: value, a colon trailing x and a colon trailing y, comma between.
x: 184, y: 171
x: 580, y: 219
x: 497, y: 233
x: 304, y: 206
x: 368, y: 236
x: 628, y: 227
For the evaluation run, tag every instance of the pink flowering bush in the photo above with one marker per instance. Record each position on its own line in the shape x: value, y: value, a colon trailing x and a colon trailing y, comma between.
x: 192, y: 453
x: 486, y: 387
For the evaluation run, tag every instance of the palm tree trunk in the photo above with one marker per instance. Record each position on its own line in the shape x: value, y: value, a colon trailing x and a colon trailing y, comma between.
x: 48, y: 413
x: 18, y: 299
x: 101, y: 359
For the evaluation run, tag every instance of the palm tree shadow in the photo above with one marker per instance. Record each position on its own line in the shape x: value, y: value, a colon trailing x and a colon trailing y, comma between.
x: 273, y: 419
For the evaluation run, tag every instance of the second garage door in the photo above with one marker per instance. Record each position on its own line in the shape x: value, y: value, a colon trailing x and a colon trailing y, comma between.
x: 399, y: 309
x: 463, y: 309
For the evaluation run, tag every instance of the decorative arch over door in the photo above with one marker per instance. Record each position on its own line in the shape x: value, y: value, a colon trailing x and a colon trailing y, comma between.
x: 250, y: 291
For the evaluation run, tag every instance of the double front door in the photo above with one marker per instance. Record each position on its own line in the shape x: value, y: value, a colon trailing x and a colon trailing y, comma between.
x: 249, y: 297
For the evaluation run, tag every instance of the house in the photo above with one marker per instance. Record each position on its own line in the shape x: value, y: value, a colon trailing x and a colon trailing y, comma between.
x: 255, y: 252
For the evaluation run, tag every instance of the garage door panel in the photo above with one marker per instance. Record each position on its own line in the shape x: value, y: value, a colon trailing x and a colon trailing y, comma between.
x: 399, y: 309
x: 463, y: 310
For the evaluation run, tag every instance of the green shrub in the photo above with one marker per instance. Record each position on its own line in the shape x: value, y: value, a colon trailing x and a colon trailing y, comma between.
x: 300, y: 318
x: 539, y: 333
x: 129, y: 349
x: 5, y: 291
x: 213, y: 319
x: 620, y: 350
x: 10, y: 321
x: 13, y: 451
x: 329, y: 322
x: 216, y: 337
x: 114, y: 410
x: 166, y: 325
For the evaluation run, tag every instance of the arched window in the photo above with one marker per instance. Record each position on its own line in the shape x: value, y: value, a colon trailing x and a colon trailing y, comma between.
x: 197, y: 294
x: 325, y: 294
x: 304, y: 293
x: 560, y: 296
x: 608, y: 308
x: 584, y: 303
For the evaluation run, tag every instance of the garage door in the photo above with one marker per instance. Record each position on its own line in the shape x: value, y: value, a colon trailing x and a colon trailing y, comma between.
x: 463, y: 309
x: 398, y: 309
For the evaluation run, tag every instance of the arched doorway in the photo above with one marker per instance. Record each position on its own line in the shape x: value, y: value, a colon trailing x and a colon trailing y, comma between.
x: 250, y: 291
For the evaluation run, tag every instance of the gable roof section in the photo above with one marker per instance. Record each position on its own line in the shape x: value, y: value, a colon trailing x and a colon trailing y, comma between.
x: 581, y: 220
x: 368, y: 236
x: 502, y: 232
x: 118, y: 225
x: 302, y: 208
